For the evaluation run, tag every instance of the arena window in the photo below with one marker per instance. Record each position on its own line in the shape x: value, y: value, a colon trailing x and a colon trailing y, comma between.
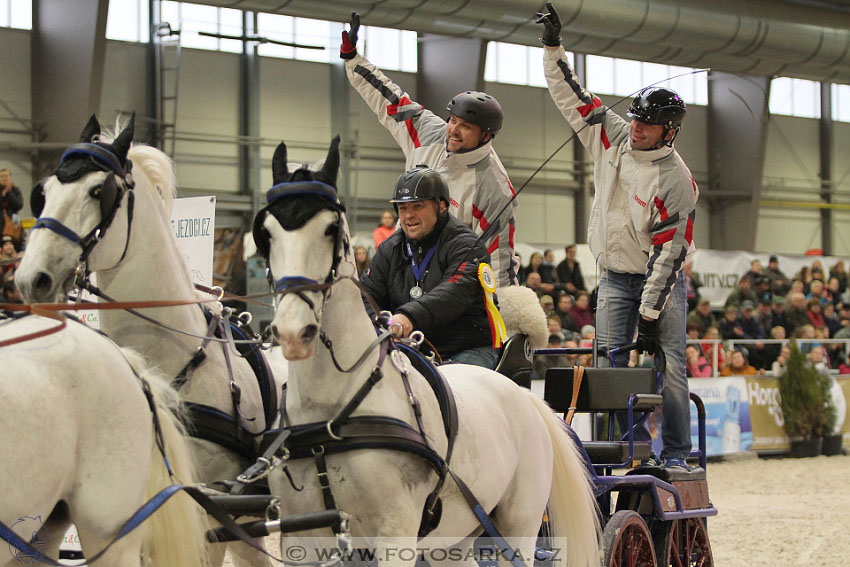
x: 841, y: 102
x: 16, y: 14
x: 515, y: 64
x: 128, y: 20
x: 624, y: 77
x: 795, y: 97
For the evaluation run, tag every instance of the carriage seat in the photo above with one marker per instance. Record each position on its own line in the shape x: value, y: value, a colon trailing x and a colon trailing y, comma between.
x: 515, y: 361
x: 606, y: 390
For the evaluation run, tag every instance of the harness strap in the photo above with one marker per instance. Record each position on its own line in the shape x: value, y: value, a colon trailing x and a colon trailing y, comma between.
x: 325, y: 483
x: 365, y: 388
x: 213, y: 425
x: 56, y: 226
x: 507, y: 551
x: 200, y: 355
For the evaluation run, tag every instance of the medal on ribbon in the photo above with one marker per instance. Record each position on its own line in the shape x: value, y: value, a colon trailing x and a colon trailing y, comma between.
x: 497, y: 325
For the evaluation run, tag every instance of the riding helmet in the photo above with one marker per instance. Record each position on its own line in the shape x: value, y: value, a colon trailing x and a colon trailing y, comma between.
x: 478, y: 108
x: 657, y: 105
x: 419, y: 184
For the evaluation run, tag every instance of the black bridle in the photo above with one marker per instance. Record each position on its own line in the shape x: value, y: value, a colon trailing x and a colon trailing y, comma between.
x: 110, y: 193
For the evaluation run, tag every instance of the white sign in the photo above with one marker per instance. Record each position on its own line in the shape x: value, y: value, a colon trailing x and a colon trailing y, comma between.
x: 193, y: 223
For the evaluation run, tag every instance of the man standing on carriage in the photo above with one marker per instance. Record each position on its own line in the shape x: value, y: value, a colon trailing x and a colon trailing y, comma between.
x: 460, y: 149
x: 640, y: 229
x: 427, y: 274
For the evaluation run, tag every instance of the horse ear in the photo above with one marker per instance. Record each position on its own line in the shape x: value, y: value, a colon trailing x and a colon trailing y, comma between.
x: 122, y: 142
x: 279, y: 169
x: 91, y: 130
x: 331, y: 167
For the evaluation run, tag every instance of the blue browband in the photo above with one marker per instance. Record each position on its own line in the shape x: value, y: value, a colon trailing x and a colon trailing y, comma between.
x: 291, y: 188
x: 286, y: 282
x: 99, y: 153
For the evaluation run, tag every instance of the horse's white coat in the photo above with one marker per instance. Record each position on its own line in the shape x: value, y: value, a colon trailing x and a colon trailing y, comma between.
x: 510, y: 448
x: 78, y: 444
x: 153, y: 269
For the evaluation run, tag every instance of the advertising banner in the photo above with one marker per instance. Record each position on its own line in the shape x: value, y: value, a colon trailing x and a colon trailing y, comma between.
x: 193, y: 222
x: 727, y: 424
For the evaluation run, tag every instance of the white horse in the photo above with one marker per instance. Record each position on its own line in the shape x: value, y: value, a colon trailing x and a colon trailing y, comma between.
x: 79, y: 445
x: 135, y: 257
x: 510, y: 449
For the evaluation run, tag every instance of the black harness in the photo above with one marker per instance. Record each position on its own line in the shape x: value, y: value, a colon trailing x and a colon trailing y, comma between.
x: 110, y: 194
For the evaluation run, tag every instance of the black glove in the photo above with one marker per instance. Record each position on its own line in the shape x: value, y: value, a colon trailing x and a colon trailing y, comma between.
x: 647, y: 340
x: 552, y: 26
x: 348, y: 48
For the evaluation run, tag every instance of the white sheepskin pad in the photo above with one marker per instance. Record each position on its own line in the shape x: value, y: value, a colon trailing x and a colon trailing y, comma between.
x: 522, y: 313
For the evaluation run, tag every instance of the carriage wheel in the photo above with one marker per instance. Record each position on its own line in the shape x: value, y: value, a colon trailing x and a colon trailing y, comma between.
x: 626, y: 541
x: 683, y: 543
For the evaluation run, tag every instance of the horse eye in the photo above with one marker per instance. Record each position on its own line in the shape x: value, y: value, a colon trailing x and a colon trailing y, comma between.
x: 96, y: 191
x: 332, y: 229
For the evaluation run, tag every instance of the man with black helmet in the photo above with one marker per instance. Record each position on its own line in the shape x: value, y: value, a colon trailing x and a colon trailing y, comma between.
x: 460, y: 149
x: 427, y: 273
x: 640, y: 228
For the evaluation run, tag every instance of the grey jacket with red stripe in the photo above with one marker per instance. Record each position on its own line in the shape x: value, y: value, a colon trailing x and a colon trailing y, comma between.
x: 642, y: 217
x: 478, y: 184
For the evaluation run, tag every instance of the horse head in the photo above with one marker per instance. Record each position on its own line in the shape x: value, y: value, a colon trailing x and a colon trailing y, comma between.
x: 77, y: 203
x: 303, y: 235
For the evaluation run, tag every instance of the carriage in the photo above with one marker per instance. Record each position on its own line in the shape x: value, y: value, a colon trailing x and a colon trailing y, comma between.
x: 359, y: 407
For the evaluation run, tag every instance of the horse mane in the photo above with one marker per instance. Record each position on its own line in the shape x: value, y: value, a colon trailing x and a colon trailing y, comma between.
x: 155, y: 165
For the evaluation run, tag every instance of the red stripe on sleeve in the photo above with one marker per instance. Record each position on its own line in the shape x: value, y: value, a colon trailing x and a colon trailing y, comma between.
x: 458, y: 274
x: 605, y: 142
x: 662, y: 208
x: 493, y: 246
x: 392, y: 110
x: 479, y: 214
x: 585, y: 109
x: 689, y: 231
x: 663, y: 237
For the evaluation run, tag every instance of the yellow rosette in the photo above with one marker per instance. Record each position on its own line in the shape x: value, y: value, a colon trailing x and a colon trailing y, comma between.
x: 497, y: 325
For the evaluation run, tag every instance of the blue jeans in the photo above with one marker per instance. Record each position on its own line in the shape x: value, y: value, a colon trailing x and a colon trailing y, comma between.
x: 485, y: 356
x: 616, y: 323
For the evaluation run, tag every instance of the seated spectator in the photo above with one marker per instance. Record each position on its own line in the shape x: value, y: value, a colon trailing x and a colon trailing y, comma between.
x: 764, y: 313
x: 839, y: 273
x: 532, y: 281
x: 805, y: 276
x: 581, y: 313
x: 744, y: 290
x: 777, y: 368
x: 361, y: 259
x: 693, y: 331
x: 588, y: 333
x: 832, y: 293
x: 755, y: 270
x: 796, y: 310
x: 830, y: 318
x: 816, y: 291
x: 547, y: 303
x: 569, y: 271
x: 752, y: 331
x: 696, y: 364
x: 554, y: 324
x: 844, y: 368
x: 548, y: 277
x: 814, y: 313
x: 702, y: 315
x: 761, y: 287
x: 738, y: 365
x: 712, y: 334
x: 730, y: 325
x: 385, y: 228
x: 562, y: 308
x: 818, y: 359
x: 778, y: 315
x: 779, y: 283
x: 542, y: 363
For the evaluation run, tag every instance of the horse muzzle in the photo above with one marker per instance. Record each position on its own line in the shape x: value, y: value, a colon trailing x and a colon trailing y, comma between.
x: 296, y: 343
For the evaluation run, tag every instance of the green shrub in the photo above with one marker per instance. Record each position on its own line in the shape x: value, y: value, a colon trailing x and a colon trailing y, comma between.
x: 805, y: 399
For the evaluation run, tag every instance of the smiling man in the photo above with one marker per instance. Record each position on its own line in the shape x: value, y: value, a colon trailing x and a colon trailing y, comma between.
x: 461, y: 149
x: 426, y: 274
x: 640, y: 228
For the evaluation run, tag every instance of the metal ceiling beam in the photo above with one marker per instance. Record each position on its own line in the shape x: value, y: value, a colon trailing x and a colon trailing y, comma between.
x: 799, y: 38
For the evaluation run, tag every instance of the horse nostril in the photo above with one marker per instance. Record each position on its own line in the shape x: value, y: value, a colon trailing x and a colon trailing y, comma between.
x: 310, y: 332
x: 274, y: 331
x: 43, y: 284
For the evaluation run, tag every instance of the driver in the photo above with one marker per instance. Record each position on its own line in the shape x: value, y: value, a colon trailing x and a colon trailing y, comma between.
x: 427, y: 273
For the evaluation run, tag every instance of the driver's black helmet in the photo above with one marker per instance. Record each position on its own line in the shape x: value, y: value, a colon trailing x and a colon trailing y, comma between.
x: 419, y: 184
x: 478, y: 108
x: 657, y: 105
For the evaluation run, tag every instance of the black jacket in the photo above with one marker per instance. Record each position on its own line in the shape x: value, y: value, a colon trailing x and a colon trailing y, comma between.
x: 451, y: 313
